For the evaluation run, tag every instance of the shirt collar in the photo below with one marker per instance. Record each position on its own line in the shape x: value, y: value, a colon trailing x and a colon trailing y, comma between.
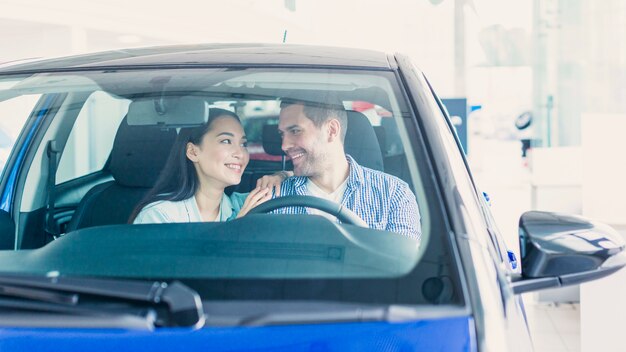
x: 356, y: 176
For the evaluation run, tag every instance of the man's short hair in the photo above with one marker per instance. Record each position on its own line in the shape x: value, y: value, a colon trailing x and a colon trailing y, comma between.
x: 319, y: 112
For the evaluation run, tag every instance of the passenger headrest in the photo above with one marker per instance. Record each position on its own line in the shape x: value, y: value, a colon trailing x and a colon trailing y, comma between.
x: 139, y: 154
x: 175, y: 112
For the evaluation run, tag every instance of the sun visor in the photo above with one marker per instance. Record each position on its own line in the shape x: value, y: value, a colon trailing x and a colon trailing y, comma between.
x: 175, y: 112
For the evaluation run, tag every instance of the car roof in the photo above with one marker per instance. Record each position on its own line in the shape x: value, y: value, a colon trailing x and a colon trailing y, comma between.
x: 211, y: 54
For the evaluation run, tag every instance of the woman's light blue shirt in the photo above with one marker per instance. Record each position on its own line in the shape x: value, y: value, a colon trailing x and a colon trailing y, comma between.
x: 166, y: 211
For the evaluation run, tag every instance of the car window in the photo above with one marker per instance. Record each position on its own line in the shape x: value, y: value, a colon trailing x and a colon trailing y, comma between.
x: 13, y: 115
x: 89, y: 144
x: 151, y: 132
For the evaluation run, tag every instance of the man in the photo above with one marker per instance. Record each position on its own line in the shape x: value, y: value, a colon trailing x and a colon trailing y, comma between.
x: 313, y: 137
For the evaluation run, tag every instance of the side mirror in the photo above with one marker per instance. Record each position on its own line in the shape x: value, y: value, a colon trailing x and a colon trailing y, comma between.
x: 560, y: 250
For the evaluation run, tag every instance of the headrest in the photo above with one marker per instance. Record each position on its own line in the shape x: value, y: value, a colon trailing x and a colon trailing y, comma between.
x: 382, y: 138
x: 187, y: 111
x: 361, y: 142
x: 139, y: 154
x: 272, y: 142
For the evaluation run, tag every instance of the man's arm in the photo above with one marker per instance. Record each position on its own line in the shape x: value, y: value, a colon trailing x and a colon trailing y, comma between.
x: 404, y: 216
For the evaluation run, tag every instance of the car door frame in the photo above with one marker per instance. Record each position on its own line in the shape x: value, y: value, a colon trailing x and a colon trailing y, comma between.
x: 490, y: 296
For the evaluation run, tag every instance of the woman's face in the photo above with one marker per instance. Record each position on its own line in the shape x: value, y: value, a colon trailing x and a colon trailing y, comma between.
x: 221, y: 156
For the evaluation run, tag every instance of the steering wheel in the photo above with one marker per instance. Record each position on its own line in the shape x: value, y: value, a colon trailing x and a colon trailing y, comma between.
x: 344, y: 215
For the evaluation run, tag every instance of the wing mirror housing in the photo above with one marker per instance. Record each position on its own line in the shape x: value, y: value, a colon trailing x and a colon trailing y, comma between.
x: 561, y: 250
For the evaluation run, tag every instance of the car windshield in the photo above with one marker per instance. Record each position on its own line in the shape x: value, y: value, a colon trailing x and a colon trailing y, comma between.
x: 97, y: 167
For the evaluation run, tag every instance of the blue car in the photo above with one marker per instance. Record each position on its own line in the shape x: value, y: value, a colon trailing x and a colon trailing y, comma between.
x: 91, y: 138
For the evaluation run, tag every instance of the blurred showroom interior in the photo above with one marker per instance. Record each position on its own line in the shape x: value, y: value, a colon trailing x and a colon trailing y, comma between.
x: 537, y: 89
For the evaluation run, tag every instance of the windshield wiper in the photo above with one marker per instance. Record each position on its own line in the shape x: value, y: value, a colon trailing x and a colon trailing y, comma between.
x: 184, y: 306
x: 39, y: 295
x: 266, y: 313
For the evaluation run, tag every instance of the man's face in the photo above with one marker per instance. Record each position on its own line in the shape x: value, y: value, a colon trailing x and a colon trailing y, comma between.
x: 303, y: 142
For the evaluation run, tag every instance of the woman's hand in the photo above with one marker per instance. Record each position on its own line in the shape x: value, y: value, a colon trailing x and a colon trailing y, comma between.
x: 273, y: 181
x: 263, y: 191
x: 255, y: 197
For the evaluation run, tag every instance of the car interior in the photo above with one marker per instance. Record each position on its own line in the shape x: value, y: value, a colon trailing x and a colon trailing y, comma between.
x: 138, y: 152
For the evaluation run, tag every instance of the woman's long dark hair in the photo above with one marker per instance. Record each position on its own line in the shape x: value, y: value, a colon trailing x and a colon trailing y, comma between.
x: 179, y: 180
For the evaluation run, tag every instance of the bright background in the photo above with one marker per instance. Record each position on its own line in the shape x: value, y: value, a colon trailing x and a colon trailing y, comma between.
x: 564, y: 62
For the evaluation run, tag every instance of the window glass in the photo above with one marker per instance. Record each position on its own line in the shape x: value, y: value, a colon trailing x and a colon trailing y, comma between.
x: 91, y: 139
x: 13, y: 115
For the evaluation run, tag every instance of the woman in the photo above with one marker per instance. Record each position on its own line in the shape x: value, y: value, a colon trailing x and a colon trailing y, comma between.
x: 203, y: 162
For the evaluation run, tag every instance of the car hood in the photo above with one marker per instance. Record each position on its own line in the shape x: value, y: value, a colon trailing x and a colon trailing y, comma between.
x: 446, y: 334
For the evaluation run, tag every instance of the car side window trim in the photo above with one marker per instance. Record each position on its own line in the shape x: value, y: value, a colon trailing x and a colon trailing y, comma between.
x: 9, y: 188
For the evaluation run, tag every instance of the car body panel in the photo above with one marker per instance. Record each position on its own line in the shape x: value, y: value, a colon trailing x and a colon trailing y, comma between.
x: 449, y: 334
x: 494, y: 307
x: 214, y: 54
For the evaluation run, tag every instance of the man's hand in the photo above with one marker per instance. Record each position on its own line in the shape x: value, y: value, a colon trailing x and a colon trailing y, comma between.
x: 273, y: 181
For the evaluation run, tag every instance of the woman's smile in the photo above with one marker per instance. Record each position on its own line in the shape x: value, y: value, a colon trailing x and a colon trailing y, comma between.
x: 235, y: 167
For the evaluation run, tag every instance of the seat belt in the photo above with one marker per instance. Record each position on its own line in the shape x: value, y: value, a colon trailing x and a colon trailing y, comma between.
x: 53, y: 152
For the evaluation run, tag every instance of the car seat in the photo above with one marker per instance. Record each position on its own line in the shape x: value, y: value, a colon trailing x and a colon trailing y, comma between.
x: 138, y: 155
x: 361, y: 142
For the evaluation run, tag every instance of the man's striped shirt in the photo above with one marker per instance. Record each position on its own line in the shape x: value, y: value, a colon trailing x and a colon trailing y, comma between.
x: 383, y: 201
